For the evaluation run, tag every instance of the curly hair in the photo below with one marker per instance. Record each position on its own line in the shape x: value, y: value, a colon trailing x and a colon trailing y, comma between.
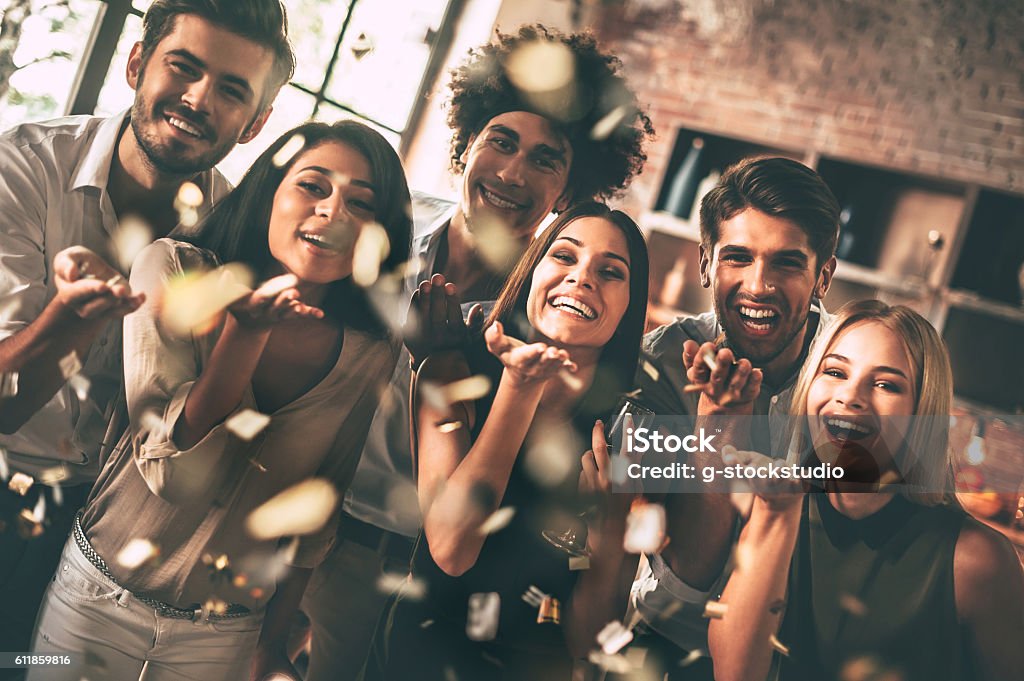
x: 601, y: 167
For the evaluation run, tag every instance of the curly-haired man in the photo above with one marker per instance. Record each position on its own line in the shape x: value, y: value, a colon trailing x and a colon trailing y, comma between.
x: 522, y: 155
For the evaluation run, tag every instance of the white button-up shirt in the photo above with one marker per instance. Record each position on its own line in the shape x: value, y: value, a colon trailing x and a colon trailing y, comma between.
x: 53, y: 195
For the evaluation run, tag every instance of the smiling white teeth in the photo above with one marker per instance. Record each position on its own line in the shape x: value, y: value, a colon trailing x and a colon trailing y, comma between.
x: 182, y: 125
x: 846, y: 425
x: 757, y: 314
x: 498, y: 201
x: 573, y: 305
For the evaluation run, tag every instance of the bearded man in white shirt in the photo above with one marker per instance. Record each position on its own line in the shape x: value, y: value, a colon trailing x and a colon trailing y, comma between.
x: 205, y: 74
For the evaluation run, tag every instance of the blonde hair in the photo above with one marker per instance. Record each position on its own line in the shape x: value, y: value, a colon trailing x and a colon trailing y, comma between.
x: 929, y: 476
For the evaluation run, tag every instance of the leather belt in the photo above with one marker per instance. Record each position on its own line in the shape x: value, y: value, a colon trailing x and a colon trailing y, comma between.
x: 385, y: 543
x: 166, y: 609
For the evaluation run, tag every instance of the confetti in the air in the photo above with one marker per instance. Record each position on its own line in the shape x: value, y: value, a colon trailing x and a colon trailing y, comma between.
x: 615, y: 664
x: 371, y: 249
x: 128, y: 239
x: 852, y: 605
x: 247, y: 424
x: 579, y: 563
x: 135, y: 553
x: 552, y: 453
x: 692, y: 657
x: 5, y: 470
x: 482, y: 618
x: 301, y: 509
x: 645, y: 529
x: 20, y: 483
x: 192, y: 303
x: 541, y: 66
x: 608, y: 123
x: 715, y: 609
x: 69, y: 365
x: 449, y: 427
x: 80, y: 385
x: 189, y: 194
x: 8, y: 383
x: 287, y: 152
x: 614, y: 637
x: 534, y: 596
x: 412, y: 587
x: 498, y: 520
x: 650, y: 369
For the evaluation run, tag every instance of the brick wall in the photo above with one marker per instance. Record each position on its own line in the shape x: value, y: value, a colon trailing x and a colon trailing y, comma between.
x: 927, y: 86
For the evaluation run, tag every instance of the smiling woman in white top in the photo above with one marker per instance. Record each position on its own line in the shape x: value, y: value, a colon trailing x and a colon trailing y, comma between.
x: 305, y: 348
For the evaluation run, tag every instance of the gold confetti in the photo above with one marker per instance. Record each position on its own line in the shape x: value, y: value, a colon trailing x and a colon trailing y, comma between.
x: 135, y: 553
x: 412, y: 588
x: 8, y: 383
x: 131, y: 235
x: 80, y: 385
x: 371, y: 249
x: 616, y: 664
x: 286, y: 153
x: 534, y: 596
x: 497, y: 521
x: 645, y: 529
x: 247, y: 424
x: 189, y: 194
x: 579, y: 563
x: 5, y: 470
x: 301, y: 509
x: 715, y: 609
x: 151, y: 425
x: 541, y: 66
x: 20, y: 483
x: 498, y: 245
x: 193, y: 302
x: 449, y: 427
x: 28, y: 526
x: 603, y: 129
x: 552, y: 453
x: 692, y: 657
x: 650, y: 370
x: 613, y: 637
x: 852, y: 605
x: 482, y: 617
x: 69, y: 365
x: 778, y: 645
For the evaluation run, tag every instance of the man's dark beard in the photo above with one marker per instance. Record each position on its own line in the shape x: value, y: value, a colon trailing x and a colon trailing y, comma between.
x: 743, y: 352
x: 165, y: 160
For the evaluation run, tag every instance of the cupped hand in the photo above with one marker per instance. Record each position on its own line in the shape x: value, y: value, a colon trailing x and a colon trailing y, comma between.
x: 435, y: 319
x: 526, y: 364
x: 90, y: 287
x: 276, y: 300
x: 724, y: 382
x: 778, y: 494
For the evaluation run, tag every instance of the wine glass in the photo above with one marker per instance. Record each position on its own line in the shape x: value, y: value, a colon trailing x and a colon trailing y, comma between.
x: 573, y: 541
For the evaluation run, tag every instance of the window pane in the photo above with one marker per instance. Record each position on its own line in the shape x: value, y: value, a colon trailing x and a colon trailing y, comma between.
x: 292, y: 107
x: 382, y: 58
x: 313, y: 26
x: 49, y: 51
x: 329, y: 114
x: 116, y: 96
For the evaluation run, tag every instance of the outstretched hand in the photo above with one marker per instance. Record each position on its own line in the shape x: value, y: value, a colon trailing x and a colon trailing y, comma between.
x: 724, y: 382
x: 435, y: 319
x: 532, y: 364
x: 90, y: 287
x: 778, y: 494
x: 276, y: 300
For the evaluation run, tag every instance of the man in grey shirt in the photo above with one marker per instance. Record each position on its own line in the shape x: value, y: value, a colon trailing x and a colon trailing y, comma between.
x: 520, y: 159
x: 768, y: 237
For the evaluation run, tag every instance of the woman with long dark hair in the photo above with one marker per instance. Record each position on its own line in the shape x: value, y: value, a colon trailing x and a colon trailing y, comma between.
x: 166, y: 574
x: 879, y: 573
x: 559, y: 349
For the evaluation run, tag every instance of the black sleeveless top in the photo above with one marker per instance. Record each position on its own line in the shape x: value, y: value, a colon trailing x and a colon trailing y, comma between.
x: 424, y: 638
x: 874, y: 591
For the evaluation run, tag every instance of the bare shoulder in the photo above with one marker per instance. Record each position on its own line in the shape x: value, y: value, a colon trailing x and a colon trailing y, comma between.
x: 987, y: 572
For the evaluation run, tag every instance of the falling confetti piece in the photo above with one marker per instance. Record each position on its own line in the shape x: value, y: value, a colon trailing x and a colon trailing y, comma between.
x: 131, y: 235
x: 608, y: 123
x: 28, y: 526
x: 426, y: 623
x: 534, y: 596
x: 498, y: 245
x: 301, y: 509
x: 552, y: 454
x: 778, y: 645
x: 247, y: 424
x: 541, y: 66
x: 135, y: 553
x: 193, y: 301
x: 497, y: 521
x: 412, y: 588
x: 287, y: 152
x: 151, y: 425
x: 692, y: 657
x: 482, y: 618
x: 615, y: 664
x: 39, y: 510
x: 80, y: 385
x: 853, y: 605
x: 20, y: 483
x: 189, y: 194
x: 8, y: 383
x: 614, y: 637
x: 579, y: 563
x: 715, y: 610
x: 69, y: 365
x: 449, y: 427
x: 467, y: 389
x: 645, y: 529
x: 371, y: 249
x: 650, y: 369
x: 5, y: 470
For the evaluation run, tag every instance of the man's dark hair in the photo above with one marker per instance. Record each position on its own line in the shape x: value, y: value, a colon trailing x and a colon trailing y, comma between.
x: 779, y: 187
x: 236, y: 230
x: 601, y: 167
x: 263, y: 21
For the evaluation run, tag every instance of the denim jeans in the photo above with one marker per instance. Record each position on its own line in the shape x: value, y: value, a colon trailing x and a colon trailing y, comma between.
x: 111, y: 635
